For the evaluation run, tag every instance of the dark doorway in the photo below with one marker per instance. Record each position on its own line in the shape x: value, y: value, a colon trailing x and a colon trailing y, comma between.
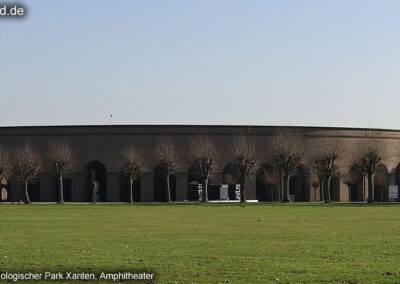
x: 194, y: 184
x: 160, y: 188
x: 381, y: 182
x: 96, y: 171
x: 125, y: 194
x: 5, y: 193
x: 355, y: 184
x: 335, y: 188
x: 33, y: 191
x: 266, y: 182
x: 300, y: 184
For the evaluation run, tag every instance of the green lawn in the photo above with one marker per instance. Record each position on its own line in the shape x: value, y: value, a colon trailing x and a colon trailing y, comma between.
x: 285, y: 243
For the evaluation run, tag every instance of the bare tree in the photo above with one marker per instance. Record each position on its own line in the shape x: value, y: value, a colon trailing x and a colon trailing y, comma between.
x: 246, y: 163
x: 266, y: 174
x: 288, y: 152
x: 5, y: 166
x: 205, y: 161
x: 168, y: 156
x: 325, y: 163
x: 368, y: 155
x: 62, y: 156
x: 28, y: 166
x: 132, y: 165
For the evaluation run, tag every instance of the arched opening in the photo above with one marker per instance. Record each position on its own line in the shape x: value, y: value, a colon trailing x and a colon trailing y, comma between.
x: 160, y: 185
x: 5, y: 191
x: 381, y: 182
x: 96, y: 172
x: 266, y: 183
x: 354, y: 182
x: 194, y: 183
x: 335, y: 188
x: 124, y: 190
x: 229, y: 178
x: 33, y: 191
x: 397, y: 178
x: 299, y: 188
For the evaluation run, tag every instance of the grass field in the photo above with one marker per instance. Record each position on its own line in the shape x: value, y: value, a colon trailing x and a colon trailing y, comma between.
x: 277, y: 243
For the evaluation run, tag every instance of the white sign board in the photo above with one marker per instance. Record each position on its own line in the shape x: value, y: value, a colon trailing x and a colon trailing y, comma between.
x: 223, y: 195
x: 393, y: 191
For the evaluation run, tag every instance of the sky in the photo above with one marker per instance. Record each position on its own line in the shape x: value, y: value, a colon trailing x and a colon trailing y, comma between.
x: 299, y: 62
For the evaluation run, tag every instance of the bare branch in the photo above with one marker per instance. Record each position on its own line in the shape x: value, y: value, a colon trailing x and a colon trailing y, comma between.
x: 132, y: 163
x: 205, y: 156
x: 63, y: 157
x: 326, y: 156
x: 266, y: 174
x: 5, y: 166
x: 245, y: 155
x: 368, y: 155
x: 28, y: 163
x: 288, y: 151
x: 168, y: 155
x: 246, y: 165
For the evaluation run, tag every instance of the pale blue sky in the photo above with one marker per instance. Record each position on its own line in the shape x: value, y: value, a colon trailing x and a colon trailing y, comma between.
x: 328, y: 63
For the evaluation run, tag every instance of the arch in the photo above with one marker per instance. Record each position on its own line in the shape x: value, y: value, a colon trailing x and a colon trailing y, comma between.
x: 229, y: 178
x: 266, y: 182
x: 300, y: 184
x: 335, y: 187
x: 96, y: 171
x: 160, y: 189
x: 33, y: 191
x: 397, y: 177
x: 354, y: 182
x: 381, y: 182
x: 193, y: 175
x: 5, y: 190
x: 228, y: 174
x: 194, y: 183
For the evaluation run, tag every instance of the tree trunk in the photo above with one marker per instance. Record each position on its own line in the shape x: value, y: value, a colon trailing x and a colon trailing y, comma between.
x: 61, y: 199
x: 286, y: 197
x: 242, y: 192
x: 328, y: 190
x: 371, y: 187
x: 168, y: 188
x: 321, y: 190
x: 205, y: 190
x: 130, y: 190
x: 26, y: 192
x: 271, y: 192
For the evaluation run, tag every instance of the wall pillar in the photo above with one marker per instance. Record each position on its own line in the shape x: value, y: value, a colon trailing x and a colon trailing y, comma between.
x: 113, y: 187
x: 48, y: 188
x: 181, y: 186
x: 147, y: 188
x: 16, y: 191
x: 79, y: 191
